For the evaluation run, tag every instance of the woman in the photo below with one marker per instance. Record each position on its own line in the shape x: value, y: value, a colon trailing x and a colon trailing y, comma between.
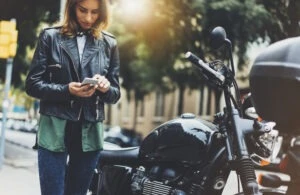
x: 71, y: 113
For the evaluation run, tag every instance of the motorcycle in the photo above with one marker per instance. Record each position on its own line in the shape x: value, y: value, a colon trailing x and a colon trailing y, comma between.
x: 274, y: 86
x: 188, y: 155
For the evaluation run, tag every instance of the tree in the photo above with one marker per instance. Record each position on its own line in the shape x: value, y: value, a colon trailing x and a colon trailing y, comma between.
x: 248, y: 21
x: 244, y: 22
x: 165, y: 34
x: 29, y: 14
x: 186, y: 25
x: 135, y: 74
x: 285, y: 18
x: 180, y: 30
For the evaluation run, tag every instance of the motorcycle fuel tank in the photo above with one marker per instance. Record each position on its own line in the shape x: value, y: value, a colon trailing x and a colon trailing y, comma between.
x: 185, y: 139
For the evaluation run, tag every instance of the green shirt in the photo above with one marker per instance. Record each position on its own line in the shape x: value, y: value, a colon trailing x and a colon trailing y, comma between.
x: 51, y: 134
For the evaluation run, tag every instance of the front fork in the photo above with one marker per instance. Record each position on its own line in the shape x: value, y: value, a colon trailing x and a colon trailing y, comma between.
x: 244, y: 165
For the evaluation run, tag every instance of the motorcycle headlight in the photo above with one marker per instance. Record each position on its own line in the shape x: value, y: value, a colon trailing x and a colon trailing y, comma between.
x: 263, y: 148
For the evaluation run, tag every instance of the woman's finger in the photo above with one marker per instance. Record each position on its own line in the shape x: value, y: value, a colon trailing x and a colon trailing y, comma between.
x: 106, y: 85
x: 96, y: 76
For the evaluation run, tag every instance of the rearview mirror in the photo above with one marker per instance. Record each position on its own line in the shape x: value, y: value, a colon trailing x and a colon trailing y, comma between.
x: 217, y: 37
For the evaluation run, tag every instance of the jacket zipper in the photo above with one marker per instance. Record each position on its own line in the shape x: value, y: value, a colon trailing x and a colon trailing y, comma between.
x: 55, y: 65
x: 71, y: 103
x: 50, y: 76
x: 73, y: 64
x: 97, y: 108
x: 80, y: 112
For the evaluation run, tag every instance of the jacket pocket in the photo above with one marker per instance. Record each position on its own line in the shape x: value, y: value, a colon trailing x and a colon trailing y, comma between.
x: 54, y: 72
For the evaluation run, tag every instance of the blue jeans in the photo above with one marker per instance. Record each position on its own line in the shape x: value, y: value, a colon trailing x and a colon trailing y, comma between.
x: 59, y: 177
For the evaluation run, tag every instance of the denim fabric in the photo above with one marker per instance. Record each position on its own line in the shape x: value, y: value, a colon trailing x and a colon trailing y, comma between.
x: 61, y: 177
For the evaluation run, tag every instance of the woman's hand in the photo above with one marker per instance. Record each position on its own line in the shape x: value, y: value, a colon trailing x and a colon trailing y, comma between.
x: 103, y: 83
x: 79, y: 90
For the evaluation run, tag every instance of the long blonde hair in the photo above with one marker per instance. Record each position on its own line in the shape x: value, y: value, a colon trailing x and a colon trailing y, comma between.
x: 70, y: 25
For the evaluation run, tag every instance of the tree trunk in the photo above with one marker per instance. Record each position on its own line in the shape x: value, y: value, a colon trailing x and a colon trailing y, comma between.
x: 181, y: 100
x: 218, y: 94
x: 135, y: 114
x: 201, y: 100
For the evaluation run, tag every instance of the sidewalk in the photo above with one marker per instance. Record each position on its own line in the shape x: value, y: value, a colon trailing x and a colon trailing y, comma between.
x: 17, y: 179
x: 19, y: 172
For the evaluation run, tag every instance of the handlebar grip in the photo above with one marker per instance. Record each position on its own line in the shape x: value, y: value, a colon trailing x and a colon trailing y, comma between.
x: 203, y: 66
x: 192, y: 57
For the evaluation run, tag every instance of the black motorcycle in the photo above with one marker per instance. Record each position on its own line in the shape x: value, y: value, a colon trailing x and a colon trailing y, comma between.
x: 275, y: 91
x: 187, y: 155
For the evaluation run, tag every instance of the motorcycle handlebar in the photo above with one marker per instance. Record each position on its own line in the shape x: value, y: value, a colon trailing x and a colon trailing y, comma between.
x: 204, y: 67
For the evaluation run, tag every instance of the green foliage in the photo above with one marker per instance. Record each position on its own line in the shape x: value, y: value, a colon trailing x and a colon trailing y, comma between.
x: 285, y: 18
x: 248, y: 21
x: 148, y: 57
x: 244, y: 22
x: 173, y: 27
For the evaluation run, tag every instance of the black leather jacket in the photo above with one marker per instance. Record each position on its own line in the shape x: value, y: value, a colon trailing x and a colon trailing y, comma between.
x: 56, y: 63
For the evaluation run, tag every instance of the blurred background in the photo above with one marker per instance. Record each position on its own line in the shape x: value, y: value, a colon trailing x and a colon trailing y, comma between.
x: 157, y: 83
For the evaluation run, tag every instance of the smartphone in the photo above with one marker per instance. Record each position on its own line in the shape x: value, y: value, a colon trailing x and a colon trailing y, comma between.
x: 90, y: 81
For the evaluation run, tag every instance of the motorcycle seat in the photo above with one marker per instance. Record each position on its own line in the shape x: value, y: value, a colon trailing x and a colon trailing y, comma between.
x: 120, y: 156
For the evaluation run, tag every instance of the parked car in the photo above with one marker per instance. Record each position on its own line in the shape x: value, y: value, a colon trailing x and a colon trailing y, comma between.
x: 122, y: 136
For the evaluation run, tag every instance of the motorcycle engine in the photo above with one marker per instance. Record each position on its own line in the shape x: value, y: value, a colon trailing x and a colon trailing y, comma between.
x: 155, y: 182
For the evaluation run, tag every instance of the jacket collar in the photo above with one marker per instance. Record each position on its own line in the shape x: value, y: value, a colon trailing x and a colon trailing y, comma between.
x: 70, y: 46
x: 91, y: 48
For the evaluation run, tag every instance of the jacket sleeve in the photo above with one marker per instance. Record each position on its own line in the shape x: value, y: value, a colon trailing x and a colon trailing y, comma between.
x: 36, y: 84
x: 113, y: 94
